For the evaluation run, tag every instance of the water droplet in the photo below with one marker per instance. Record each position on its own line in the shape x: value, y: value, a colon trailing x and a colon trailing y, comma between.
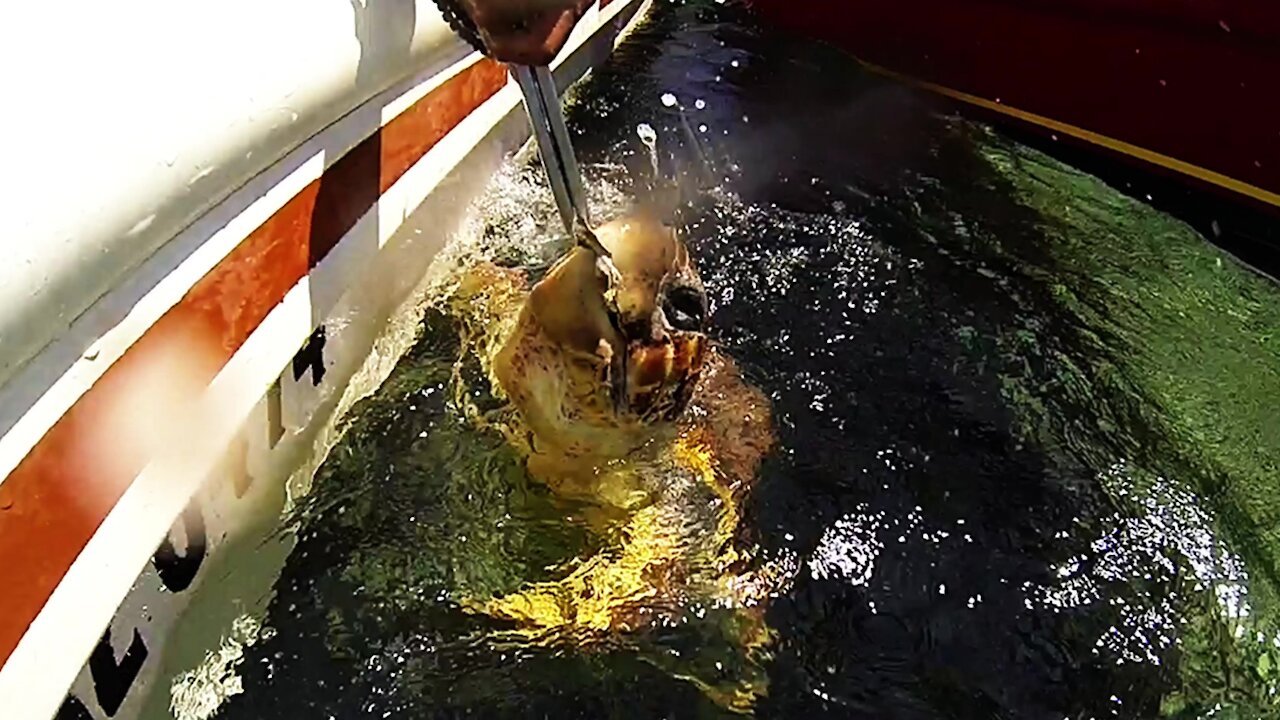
x: 700, y: 103
x: 647, y: 134
x: 668, y: 100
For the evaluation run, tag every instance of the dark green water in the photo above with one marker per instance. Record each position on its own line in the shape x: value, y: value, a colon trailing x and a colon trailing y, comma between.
x: 1028, y: 448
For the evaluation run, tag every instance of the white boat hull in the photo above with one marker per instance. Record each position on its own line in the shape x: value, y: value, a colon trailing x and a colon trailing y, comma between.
x: 237, y: 344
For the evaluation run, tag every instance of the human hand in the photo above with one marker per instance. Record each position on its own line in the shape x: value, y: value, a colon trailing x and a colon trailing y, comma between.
x: 525, y: 32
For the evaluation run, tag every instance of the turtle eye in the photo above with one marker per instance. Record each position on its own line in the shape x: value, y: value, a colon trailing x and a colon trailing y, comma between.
x: 685, y: 307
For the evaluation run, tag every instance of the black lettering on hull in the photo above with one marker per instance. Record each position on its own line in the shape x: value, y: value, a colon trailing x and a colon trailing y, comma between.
x: 311, y: 357
x: 73, y: 709
x: 178, y: 571
x: 112, y: 680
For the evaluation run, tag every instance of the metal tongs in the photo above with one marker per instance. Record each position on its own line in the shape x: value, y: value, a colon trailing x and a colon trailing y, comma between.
x: 542, y: 103
x: 547, y: 118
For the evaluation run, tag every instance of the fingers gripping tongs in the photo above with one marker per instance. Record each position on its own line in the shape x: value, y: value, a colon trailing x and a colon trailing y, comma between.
x: 542, y: 103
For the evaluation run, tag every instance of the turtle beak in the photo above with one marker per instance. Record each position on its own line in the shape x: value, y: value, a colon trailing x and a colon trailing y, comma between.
x: 663, y: 352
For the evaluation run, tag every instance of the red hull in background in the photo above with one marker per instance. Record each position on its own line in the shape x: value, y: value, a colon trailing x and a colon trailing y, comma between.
x: 1192, y: 86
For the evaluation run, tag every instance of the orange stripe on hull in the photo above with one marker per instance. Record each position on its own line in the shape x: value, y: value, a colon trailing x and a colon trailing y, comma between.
x: 55, y: 500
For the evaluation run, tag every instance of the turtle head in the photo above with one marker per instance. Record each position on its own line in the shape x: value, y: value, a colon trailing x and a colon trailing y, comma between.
x: 660, y: 309
x: 606, y: 350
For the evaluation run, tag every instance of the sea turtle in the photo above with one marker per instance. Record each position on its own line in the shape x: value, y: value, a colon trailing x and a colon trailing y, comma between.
x: 616, y: 397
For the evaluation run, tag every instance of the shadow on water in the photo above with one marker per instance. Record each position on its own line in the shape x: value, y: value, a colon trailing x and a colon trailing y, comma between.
x: 1018, y: 483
